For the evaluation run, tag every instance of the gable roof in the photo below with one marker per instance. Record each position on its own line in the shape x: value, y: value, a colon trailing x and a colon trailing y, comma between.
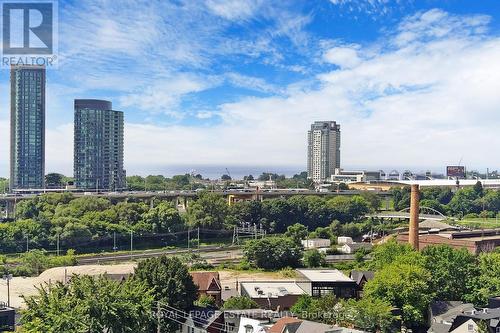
x: 359, y: 275
x: 281, y: 323
x: 206, y: 280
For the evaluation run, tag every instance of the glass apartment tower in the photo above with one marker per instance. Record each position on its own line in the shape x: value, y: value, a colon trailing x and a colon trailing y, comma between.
x: 27, y: 127
x: 323, y: 150
x: 98, y: 151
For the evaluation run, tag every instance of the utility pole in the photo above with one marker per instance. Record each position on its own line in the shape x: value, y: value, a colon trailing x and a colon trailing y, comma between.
x: 8, y: 277
x: 188, y: 238
x: 131, y: 243
x: 58, y: 237
x: 114, y: 241
x: 27, y: 243
x: 198, y: 238
x: 158, y: 317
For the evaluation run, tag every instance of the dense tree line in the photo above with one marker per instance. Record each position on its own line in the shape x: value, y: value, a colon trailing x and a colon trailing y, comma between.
x: 42, y: 220
x: 465, y: 202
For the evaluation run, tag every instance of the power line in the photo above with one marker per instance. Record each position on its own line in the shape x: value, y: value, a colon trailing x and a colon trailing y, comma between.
x: 186, y: 316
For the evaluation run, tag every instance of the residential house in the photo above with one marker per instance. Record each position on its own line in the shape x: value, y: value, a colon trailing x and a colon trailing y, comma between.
x: 201, y: 320
x: 472, y: 321
x: 248, y: 321
x: 305, y: 326
x: 280, y: 324
x: 361, y: 278
x: 208, y: 284
x: 443, y: 313
x: 354, y: 247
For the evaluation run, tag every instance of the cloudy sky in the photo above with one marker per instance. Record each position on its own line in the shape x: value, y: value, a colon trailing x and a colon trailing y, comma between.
x: 236, y: 83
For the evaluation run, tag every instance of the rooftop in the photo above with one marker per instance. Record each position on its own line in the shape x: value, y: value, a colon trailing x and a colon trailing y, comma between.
x: 324, y: 275
x: 273, y: 289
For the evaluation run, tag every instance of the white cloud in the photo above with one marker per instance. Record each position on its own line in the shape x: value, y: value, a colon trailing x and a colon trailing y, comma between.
x: 425, y: 96
x: 251, y: 82
x: 423, y: 104
x: 234, y: 9
x: 165, y: 95
x: 345, y: 57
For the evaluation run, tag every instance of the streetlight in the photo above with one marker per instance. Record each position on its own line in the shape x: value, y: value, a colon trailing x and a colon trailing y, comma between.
x: 8, y: 277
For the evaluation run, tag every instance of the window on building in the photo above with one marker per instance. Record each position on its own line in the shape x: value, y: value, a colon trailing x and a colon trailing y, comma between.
x: 248, y: 329
x: 470, y: 328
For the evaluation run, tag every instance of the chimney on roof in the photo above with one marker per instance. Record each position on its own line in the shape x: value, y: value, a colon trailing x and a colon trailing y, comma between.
x: 414, y: 216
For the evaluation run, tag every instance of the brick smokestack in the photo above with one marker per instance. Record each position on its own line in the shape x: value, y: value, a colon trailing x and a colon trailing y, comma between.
x: 414, y: 216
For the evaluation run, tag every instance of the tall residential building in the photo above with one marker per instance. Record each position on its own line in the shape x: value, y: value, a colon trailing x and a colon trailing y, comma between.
x: 27, y: 127
x: 323, y: 151
x: 98, y: 160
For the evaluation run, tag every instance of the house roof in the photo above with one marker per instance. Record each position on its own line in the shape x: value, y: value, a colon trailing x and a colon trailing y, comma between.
x: 271, y: 289
x: 448, y: 310
x: 357, y: 246
x: 324, y: 275
x: 431, y: 224
x: 359, y: 275
x: 439, y: 328
x: 203, y: 316
x: 313, y: 327
x: 281, y: 323
x: 206, y: 280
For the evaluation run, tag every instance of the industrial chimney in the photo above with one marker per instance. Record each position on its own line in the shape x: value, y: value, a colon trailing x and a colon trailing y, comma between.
x: 414, y: 216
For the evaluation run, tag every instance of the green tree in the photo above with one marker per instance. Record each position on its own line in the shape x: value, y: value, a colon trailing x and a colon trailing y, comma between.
x: 374, y: 201
x: 387, y: 253
x: 405, y: 286
x: 164, y: 218
x: 54, y: 180
x: 464, y: 202
x: 273, y: 252
x: 88, y: 304
x: 372, y: 315
x: 297, y: 232
x: 313, y: 258
x: 171, y: 283
x: 347, y: 209
x: 4, y: 185
x: 239, y: 303
x: 487, y: 283
x: 35, y: 261
x: 451, y: 271
x: 206, y: 301
x: 210, y: 210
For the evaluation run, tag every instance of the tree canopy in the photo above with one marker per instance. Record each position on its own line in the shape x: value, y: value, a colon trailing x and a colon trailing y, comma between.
x: 88, y: 304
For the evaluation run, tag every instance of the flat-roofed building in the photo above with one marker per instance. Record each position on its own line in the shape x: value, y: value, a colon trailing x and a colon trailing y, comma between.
x: 315, y: 243
x: 27, y: 127
x: 476, y: 241
x: 323, y: 152
x: 98, y: 146
x: 273, y: 295
x: 320, y: 282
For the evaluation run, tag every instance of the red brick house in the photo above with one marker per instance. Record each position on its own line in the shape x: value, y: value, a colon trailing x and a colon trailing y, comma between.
x: 208, y: 284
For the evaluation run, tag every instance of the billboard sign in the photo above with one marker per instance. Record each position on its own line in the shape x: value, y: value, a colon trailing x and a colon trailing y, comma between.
x: 455, y: 171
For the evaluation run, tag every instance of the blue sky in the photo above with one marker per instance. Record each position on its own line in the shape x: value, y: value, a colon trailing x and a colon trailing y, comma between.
x: 414, y: 84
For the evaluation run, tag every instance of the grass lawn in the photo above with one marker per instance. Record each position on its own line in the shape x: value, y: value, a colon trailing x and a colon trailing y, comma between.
x: 481, y: 223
